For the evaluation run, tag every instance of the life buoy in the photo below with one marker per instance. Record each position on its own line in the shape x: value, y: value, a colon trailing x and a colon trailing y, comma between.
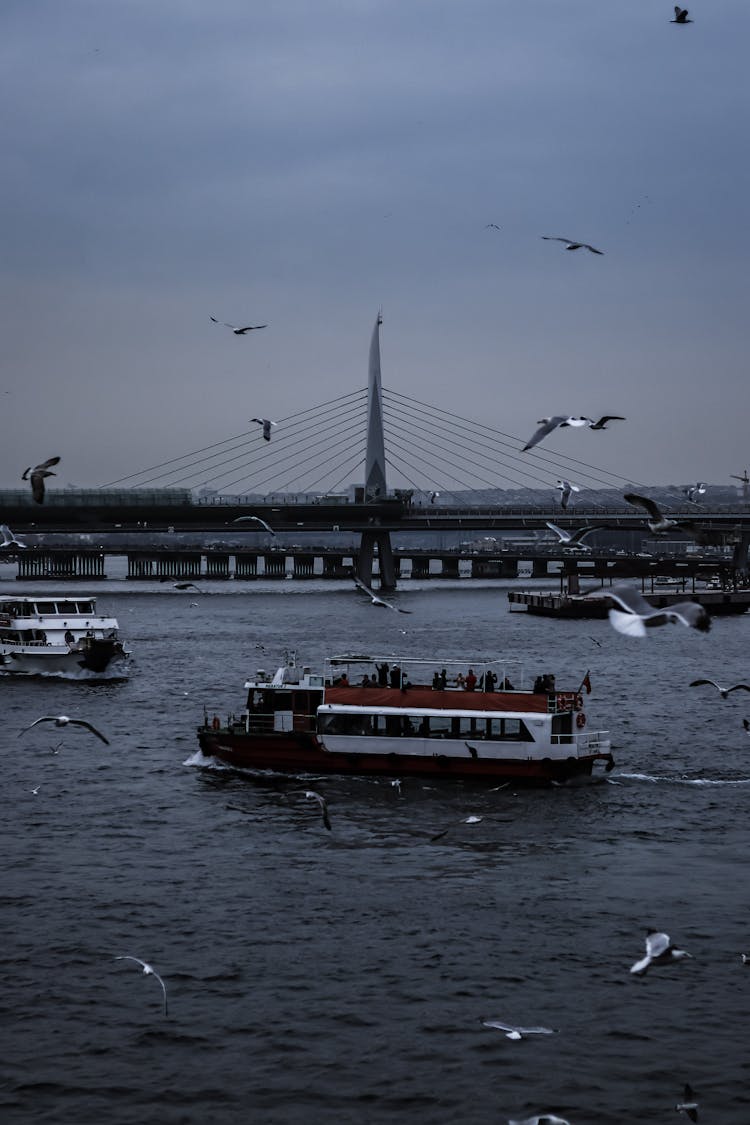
x: 579, y: 704
x: 580, y: 719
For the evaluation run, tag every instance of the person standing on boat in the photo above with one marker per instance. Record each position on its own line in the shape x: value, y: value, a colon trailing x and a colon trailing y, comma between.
x: 437, y: 683
x: 395, y: 676
x: 443, y: 679
x: 490, y: 679
x: 471, y: 680
x: 382, y: 674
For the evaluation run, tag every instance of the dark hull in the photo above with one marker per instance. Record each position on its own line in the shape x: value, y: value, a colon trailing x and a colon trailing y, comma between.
x: 97, y: 655
x: 300, y: 752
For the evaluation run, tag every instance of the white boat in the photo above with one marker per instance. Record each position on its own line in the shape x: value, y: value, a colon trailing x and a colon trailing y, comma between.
x: 48, y: 635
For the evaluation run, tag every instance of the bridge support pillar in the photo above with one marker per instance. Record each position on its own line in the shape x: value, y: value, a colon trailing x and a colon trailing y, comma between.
x: 449, y: 567
x: 420, y: 566
x: 332, y: 566
x: 140, y: 566
x: 538, y: 568
x: 369, y: 542
x: 61, y: 564
x: 740, y: 553
x: 217, y: 566
x: 178, y: 566
x: 304, y: 566
x: 245, y: 566
x: 274, y: 566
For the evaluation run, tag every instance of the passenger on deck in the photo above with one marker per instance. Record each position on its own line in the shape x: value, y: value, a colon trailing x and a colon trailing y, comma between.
x: 471, y: 680
x: 395, y: 676
x: 382, y: 674
x: 366, y: 681
x: 460, y: 680
x: 507, y: 685
x: 490, y: 679
x: 343, y: 680
x: 539, y: 685
x: 437, y: 683
x: 443, y: 679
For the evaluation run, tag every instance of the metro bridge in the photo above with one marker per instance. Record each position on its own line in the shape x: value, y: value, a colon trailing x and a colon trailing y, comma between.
x: 364, y: 431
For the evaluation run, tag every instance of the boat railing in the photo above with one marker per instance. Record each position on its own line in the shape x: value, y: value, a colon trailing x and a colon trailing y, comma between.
x: 268, y: 723
x: 585, y: 743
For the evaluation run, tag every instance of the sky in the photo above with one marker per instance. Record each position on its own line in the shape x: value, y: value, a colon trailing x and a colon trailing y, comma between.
x: 303, y: 164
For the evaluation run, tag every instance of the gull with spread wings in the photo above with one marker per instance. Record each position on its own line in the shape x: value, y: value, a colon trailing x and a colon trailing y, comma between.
x: 374, y: 597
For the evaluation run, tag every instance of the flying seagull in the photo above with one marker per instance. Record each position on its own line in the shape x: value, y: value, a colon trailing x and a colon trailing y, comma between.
x: 255, y: 519
x: 637, y: 614
x: 547, y: 425
x: 602, y: 423
x: 512, y: 1032
x: 680, y: 15
x: 571, y: 539
x: 148, y: 971
x: 187, y: 586
x: 541, y: 1119
x: 723, y: 692
x: 659, y: 951
x: 239, y: 331
x: 694, y: 490
x: 64, y: 721
x: 658, y: 521
x: 566, y: 489
x: 38, y: 473
x: 466, y: 820
x: 266, y: 423
x: 571, y: 243
x: 492, y: 226
x: 312, y: 795
x: 9, y: 539
x: 688, y: 1104
x: 375, y: 599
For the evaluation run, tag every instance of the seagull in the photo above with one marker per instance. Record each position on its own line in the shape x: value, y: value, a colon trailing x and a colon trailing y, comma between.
x: 694, y: 490
x: 543, y: 1119
x: 38, y: 473
x: 637, y: 614
x: 512, y: 1032
x: 602, y: 423
x: 492, y: 226
x: 464, y: 820
x: 745, y: 958
x: 375, y: 599
x: 35, y: 791
x: 312, y: 795
x: 239, y: 331
x: 659, y: 951
x: 566, y: 488
x: 572, y: 539
x: 688, y: 1105
x: 64, y: 721
x: 547, y: 425
x: 266, y: 423
x: 187, y: 586
x: 723, y: 692
x: 148, y: 971
x: 680, y: 15
x: 255, y: 519
x: 658, y: 521
x: 9, y: 539
x: 571, y: 244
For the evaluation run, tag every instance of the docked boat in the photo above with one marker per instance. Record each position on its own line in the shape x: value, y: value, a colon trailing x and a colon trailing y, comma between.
x: 417, y: 718
x: 59, y: 636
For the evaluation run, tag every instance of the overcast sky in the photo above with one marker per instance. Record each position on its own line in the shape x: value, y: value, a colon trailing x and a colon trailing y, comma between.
x: 302, y: 163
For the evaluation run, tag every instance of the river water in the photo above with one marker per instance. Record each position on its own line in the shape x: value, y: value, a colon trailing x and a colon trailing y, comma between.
x: 344, y: 975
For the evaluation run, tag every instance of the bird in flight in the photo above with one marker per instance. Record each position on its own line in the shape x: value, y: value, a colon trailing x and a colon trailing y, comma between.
x: 571, y: 243
x: 547, y: 425
x: 680, y: 15
x: 148, y: 971
x: 694, y: 490
x: 541, y: 1119
x: 255, y: 519
x: 571, y: 538
x: 637, y: 615
x: 266, y: 423
x: 659, y: 951
x: 64, y: 721
x: 723, y: 692
x: 688, y: 1104
x: 38, y: 473
x: 9, y: 539
x: 492, y: 226
x: 239, y: 331
x: 312, y: 795
x: 187, y: 586
x: 658, y: 521
x: 377, y: 600
x: 512, y: 1032
x: 602, y: 423
x: 566, y: 490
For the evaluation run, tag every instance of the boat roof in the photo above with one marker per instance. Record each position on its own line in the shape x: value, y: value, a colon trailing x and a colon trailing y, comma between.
x: 360, y: 658
x: 428, y: 712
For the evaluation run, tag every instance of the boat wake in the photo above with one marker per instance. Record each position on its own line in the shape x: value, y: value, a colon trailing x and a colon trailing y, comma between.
x: 81, y: 675
x: 657, y: 779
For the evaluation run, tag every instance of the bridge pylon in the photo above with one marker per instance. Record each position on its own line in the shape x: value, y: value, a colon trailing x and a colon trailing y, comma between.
x: 375, y: 540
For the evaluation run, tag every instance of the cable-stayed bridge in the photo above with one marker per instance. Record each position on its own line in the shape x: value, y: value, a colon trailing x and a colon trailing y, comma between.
x: 416, y: 463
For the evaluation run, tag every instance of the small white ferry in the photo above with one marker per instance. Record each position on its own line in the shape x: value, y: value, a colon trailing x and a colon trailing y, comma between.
x: 47, y: 635
x: 414, y: 718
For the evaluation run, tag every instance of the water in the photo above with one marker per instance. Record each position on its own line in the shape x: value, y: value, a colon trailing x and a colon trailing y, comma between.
x: 344, y: 975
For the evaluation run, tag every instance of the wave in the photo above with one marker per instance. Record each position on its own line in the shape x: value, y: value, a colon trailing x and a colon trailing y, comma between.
x: 656, y: 778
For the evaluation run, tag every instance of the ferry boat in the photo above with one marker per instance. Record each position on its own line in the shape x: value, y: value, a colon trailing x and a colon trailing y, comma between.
x: 64, y: 637
x: 424, y: 721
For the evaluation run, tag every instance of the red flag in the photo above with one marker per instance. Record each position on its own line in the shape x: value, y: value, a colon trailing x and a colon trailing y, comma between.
x: 587, y: 684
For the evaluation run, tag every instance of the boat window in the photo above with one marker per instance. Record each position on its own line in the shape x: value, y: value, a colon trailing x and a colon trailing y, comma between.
x: 345, y: 724
x: 463, y: 726
x: 440, y: 726
x: 512, y: 729
x: 84, y: 607
x: 45, y: 607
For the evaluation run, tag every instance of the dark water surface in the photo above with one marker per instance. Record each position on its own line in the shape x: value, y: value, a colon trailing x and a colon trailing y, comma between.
x: 343, y: 976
